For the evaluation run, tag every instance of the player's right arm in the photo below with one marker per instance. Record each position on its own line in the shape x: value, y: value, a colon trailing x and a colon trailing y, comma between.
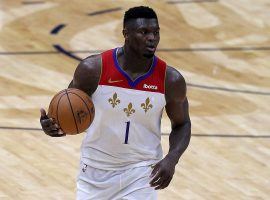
x: 86, y: 78
x: 87, y: 75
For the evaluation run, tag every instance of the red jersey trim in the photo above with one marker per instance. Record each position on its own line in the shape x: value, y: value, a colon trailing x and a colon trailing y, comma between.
x: 114, y: 75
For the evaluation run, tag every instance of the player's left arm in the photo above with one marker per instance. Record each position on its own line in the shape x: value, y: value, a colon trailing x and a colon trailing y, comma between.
x: 177, y: 111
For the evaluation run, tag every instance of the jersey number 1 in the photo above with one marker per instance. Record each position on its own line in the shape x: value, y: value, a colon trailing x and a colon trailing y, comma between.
x: 127, y: 132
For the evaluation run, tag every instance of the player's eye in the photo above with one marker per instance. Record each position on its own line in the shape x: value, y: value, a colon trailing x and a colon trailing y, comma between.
x: 143, y: 32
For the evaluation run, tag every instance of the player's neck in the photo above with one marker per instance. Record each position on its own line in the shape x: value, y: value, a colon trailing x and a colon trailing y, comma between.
x: 130, y: 61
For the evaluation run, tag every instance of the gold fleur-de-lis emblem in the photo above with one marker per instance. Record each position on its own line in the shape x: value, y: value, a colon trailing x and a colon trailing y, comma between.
x: 114, y: 100
x: 146, y: 106
x: 129, y: 110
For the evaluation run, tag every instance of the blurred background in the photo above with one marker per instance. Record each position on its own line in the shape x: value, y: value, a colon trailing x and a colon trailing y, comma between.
x: 222, y: 49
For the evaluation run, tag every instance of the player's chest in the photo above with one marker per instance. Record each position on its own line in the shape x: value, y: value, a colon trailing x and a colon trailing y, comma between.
x: 128, y: 102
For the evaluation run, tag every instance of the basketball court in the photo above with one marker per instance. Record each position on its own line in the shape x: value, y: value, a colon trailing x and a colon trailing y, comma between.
x: 220, y: 46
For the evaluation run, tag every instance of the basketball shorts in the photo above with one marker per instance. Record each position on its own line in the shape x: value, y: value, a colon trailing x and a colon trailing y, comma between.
x: 130, y: 184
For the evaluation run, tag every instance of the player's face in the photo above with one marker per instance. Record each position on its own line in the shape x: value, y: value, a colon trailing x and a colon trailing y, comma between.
x: 143, y: 36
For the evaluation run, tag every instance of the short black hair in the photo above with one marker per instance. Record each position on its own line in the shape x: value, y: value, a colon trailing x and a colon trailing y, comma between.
x: 139, y: 12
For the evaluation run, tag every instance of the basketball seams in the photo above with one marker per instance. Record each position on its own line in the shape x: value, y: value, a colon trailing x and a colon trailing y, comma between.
x: 53, y: 99
x: 90, y: 116
x: 73, y: 98
x: 72, y: 111
x: 58, y: 122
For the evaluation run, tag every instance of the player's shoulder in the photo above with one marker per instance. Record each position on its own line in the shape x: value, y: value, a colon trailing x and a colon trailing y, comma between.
x: 87, y: 74
x: 174, y: 76
x: 91, y: 64
x: 88, y: 67
x: 175, y: 84
x: 93, y: 61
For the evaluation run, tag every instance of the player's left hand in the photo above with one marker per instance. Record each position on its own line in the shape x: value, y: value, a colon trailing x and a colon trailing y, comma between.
x: 162, y: 173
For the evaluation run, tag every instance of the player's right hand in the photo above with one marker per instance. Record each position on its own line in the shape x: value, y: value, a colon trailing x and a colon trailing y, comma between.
x: 49, y: 126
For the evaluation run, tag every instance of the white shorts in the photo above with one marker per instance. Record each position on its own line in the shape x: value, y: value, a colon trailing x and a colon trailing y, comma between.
x: 130, y: 184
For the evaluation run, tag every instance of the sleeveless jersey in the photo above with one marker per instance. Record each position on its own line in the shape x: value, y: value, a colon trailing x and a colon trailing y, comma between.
x: 126, y: 131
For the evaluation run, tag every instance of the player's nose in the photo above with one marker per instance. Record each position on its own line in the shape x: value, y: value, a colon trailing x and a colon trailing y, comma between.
x: 150, y: 37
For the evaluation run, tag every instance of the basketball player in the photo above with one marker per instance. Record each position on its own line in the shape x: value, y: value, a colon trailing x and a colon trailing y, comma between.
x: 121, y: 154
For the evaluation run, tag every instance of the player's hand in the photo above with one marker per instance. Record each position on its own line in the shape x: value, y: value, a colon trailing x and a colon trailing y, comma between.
x: 49, y: 126
x: 162, y: 173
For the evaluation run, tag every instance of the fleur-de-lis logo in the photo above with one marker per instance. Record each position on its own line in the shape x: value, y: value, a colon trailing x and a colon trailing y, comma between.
x: 129, y: 110
x: 146, y: 106
x: 114, y: 100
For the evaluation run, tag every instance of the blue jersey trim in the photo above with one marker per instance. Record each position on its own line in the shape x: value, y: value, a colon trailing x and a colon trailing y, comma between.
x: 140, y: 78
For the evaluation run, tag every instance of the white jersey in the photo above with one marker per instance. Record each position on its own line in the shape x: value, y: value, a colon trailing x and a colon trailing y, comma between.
x: 126, y: 130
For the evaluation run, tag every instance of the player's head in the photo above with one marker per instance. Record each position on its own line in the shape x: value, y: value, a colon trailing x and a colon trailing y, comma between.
x: 141, y: 30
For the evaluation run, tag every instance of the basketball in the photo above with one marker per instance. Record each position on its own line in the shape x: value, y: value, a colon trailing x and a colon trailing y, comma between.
x: 73, y: 110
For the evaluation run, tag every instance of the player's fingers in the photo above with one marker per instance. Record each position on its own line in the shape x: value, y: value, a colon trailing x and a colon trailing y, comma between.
x: 159, y: 187
x: 57, y: 126
x: 43, y: 113
x: 58, y: 135
x: 55, y: 133
x: 160, y: 180
x: 52, y: 128
x: 157, y: 183
x: 53, y: 124
x: 156, y: 177
x: 61, y: 132
x: 51, y: 132
x: 167, y: 183
x: 154, y: 171
x: 164, y: 184
x: 46, y: 122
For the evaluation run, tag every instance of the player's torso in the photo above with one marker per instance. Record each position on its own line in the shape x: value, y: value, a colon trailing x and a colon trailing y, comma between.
x: 128, y: 113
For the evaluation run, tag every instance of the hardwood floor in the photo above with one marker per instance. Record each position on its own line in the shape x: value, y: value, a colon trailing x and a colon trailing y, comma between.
x: 221, y: 48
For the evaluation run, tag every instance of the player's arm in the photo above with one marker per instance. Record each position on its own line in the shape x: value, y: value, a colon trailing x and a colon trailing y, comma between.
x: 87, y: 75
x: 86, y: 78
x: 177, y: 111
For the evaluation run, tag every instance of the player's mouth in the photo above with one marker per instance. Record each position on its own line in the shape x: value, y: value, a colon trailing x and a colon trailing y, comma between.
x: 151, y: 48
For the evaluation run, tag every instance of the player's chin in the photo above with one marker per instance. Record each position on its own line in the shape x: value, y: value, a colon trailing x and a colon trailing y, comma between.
x: 149, y: 55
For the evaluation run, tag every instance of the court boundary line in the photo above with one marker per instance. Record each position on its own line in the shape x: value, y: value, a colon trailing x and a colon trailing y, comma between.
x: 32, y: 2
x: 163, y: 134
x: 109, y: 10
x: 207, y: 87
x: 209, y: 49
x: 61, y: 50
x: 57, y: 28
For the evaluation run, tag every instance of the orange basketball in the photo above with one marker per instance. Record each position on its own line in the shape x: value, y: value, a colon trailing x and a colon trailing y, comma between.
x: 73, y: 110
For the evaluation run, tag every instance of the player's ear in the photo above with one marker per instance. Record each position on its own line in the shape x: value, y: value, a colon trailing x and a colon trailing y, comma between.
x: 125, y: 33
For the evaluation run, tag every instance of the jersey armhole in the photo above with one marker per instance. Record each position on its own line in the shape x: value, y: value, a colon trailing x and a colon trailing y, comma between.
x: 101, y: 69
x: 165, y: 76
